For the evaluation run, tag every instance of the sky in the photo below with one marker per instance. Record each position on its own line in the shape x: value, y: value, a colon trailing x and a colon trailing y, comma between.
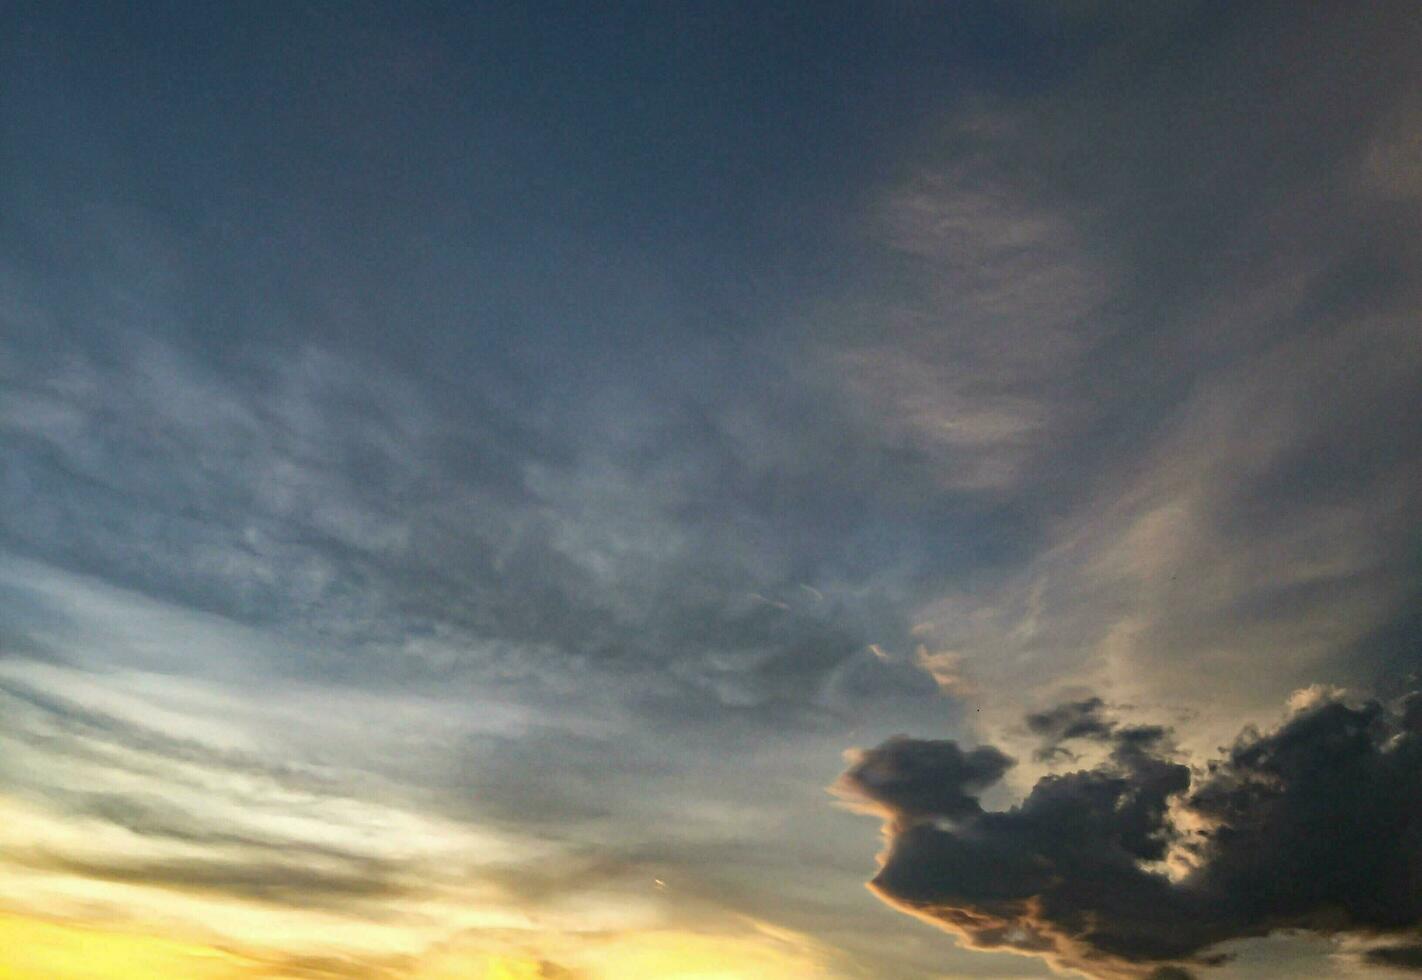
x: 611, y: 491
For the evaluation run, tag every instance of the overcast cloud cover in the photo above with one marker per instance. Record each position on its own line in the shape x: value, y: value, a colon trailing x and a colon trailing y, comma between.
x: 471, y: 480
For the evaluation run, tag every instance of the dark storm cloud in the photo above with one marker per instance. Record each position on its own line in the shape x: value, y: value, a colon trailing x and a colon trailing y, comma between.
x: 1314, y: 826
x: 1407, y: 957
x: 916, y: 779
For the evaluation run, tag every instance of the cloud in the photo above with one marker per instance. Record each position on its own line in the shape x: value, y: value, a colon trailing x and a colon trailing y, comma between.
x: 559, y: 517
x: 996, y: 295
x: 913, y: 779
x: 1071, y: 719
x: 1221, y: 474
x: 1142, y: 866
x: 1404, y: 957
x: 152, y: 780
x: 297, y: 881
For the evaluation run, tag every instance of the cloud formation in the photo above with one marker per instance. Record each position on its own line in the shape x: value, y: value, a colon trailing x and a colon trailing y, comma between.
x: 1142, y: 866
x: 459, y: 463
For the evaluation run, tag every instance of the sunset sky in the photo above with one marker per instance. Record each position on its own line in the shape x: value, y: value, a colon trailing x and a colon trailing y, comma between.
x: 605, y: 491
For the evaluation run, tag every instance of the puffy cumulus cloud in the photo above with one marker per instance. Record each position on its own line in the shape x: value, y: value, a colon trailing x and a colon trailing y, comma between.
x: 913, y: 779
x: 1142, y: 865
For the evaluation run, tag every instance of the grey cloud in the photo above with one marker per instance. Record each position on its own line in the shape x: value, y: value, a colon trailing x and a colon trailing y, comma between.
x: 1313, y: 826
x: 401, y: 545
x: 1170, y: 973
x: 1412, y: 713
x: 1406, y: 957
x: 300, y: 884
x: 915, y: 779
x: 1072, y: 719
x: 151, y: 816
x: 1089, y: 720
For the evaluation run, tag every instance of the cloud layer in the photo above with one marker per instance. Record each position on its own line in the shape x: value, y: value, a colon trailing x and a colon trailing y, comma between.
x: 466, y: 473
x: 1141, y: 865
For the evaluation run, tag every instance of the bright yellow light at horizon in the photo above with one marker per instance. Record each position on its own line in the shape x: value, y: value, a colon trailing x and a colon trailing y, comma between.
x: 39, y: 949
x: 35, y: 949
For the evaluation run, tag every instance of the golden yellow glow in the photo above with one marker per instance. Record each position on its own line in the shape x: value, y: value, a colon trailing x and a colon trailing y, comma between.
x: 57, y: 923
x: 696, y: 957
x: 503, y: 968
x: 40, y: 949
x: 763, y: 954
x: 34, y: 949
